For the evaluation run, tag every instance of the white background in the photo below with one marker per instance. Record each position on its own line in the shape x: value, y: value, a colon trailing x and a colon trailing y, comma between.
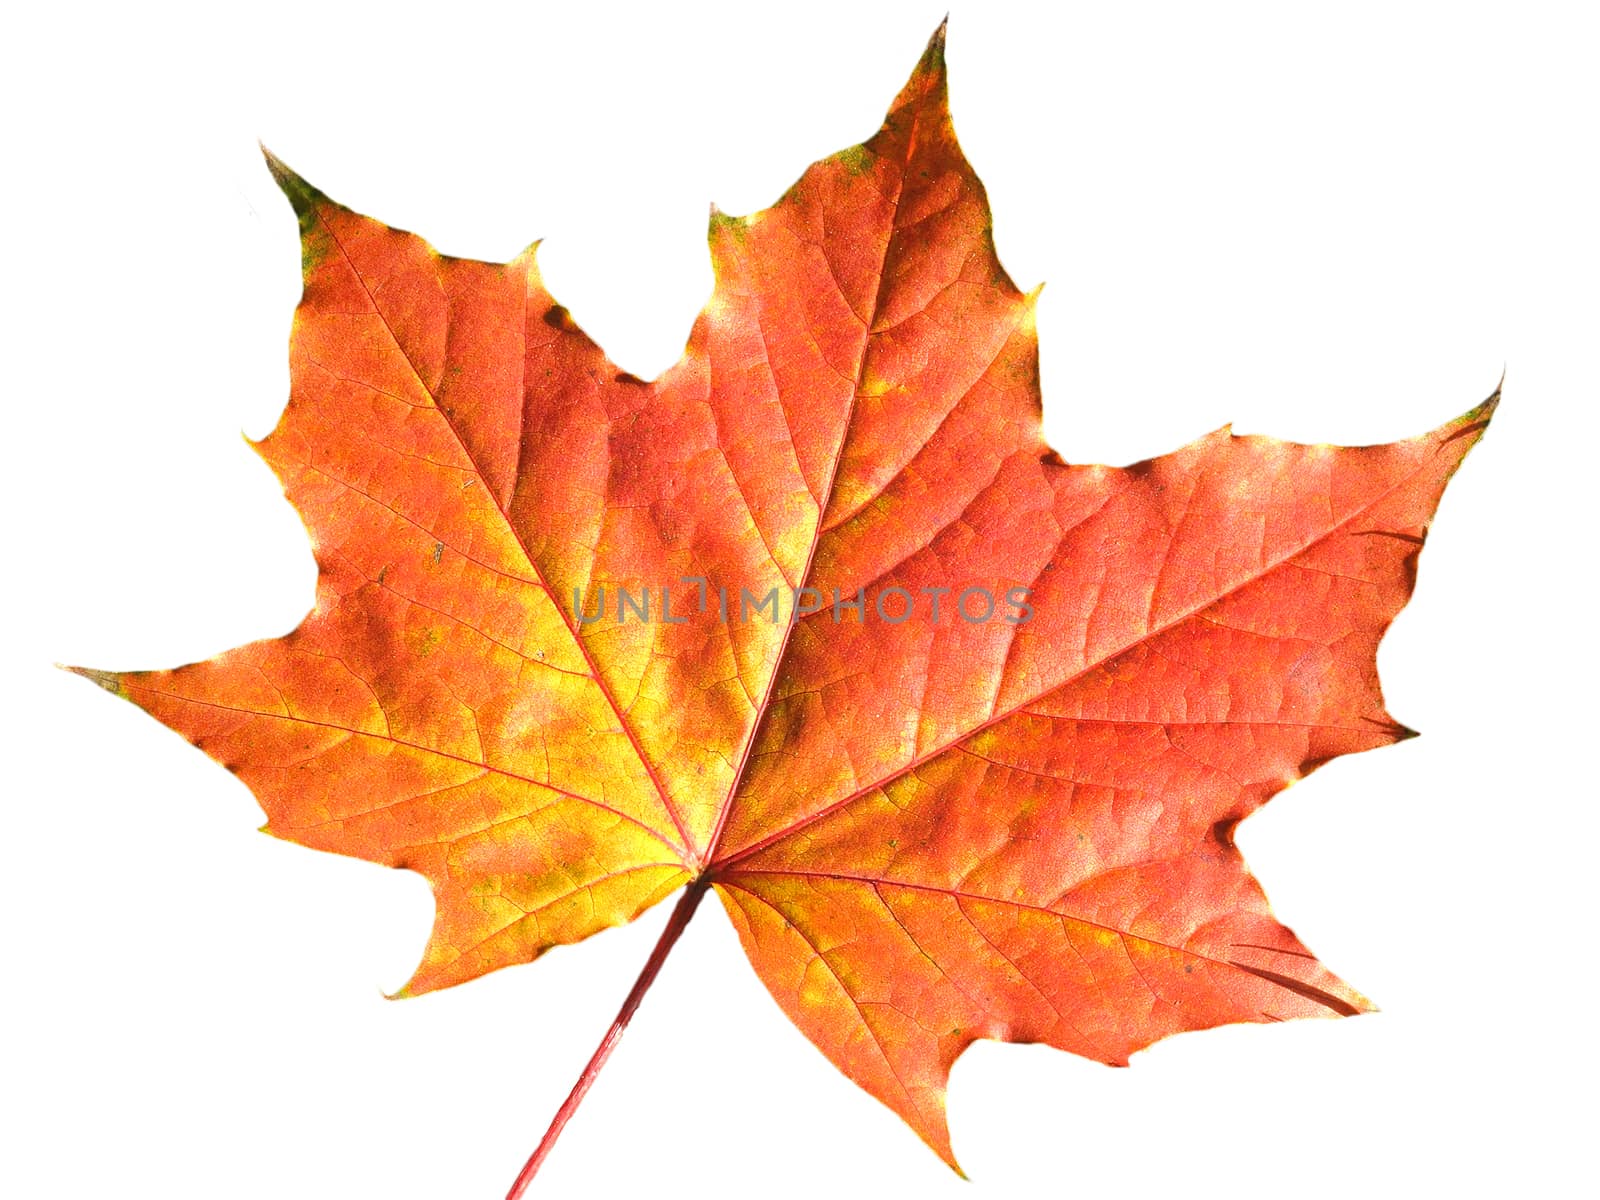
x: 1329, y: 224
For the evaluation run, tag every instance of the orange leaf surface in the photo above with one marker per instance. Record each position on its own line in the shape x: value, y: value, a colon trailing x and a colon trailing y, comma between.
x: 974, y: 772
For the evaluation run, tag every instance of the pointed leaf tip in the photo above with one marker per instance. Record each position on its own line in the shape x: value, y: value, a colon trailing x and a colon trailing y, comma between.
x: 927, y: 88
x: 300, y: 193
x: 932, y: 61
x: 1472, y: 423
x: 110, y: 680
x: 1486, y: 409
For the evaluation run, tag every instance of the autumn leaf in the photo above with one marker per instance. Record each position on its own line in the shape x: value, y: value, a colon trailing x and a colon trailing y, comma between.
x: 958, y: 732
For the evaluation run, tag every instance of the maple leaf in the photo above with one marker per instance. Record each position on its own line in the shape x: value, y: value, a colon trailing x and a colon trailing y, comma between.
x: 959, y: 733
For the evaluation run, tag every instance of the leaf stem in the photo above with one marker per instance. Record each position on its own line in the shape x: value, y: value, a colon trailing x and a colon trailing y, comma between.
x: 687, y: 903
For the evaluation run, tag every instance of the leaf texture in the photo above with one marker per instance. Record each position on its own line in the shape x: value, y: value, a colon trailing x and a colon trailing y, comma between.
x: 926, y: 828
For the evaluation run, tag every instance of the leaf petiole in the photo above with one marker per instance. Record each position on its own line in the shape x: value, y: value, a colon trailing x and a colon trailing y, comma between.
x: 681, y: 913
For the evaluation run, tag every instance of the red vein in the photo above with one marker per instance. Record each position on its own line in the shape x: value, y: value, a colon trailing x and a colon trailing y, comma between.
x: 743, y: 766
x: 1005, y: 714
x: 385, y: 737
x: 1299, y: 987
x: 516, y: 534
